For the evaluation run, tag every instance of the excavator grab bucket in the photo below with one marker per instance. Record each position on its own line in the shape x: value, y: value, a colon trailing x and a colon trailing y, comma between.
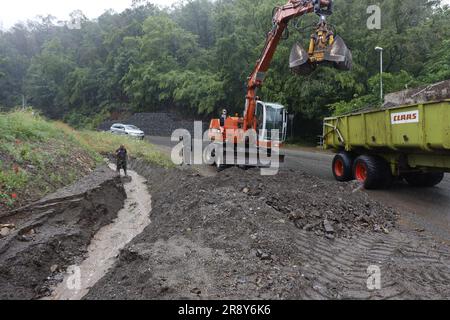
x: 337, y: 54
x: 299, y: 61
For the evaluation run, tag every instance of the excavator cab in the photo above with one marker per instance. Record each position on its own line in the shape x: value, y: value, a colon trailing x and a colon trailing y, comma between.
x: 324, y: 48
x: 271, y: 116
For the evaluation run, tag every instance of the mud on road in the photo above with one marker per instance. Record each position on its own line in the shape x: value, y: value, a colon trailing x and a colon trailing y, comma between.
x: 239, y: 235
x: 53, y: 233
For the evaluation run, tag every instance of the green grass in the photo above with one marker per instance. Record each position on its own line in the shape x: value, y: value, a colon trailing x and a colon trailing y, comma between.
x: 37, y: 156
x: 105, y: 142
x: 28, y: 126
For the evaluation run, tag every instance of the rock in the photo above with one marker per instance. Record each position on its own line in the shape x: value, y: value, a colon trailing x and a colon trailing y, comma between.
x: 263, y: 255
x: 266, y: 256
x: 328, y: 227
x: 311, y: 226
x: 24, y: 239
x: 242, y: 280
x: 245, y: 190
x: 4, y: 232
x: 316, y: 213
x: 329, y: 236
x: 9, y: 226
x: 196, y: 291
x: 53, y: 268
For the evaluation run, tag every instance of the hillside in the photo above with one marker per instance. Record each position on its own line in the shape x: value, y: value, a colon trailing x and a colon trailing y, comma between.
x: 195, y: 58
x: 38, y: 156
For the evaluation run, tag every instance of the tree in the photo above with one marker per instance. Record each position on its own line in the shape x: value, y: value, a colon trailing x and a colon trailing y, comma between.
x: 196, y: 57
x: 46, y: 79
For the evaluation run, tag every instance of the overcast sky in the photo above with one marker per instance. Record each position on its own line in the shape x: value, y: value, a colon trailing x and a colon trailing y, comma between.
x: 12, y: 11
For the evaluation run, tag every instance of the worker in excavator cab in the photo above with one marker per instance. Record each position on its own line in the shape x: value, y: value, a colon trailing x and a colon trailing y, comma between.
x: 223, y: 117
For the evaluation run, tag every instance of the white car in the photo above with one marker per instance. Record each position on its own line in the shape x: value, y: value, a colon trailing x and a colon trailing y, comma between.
x: 127, y: 129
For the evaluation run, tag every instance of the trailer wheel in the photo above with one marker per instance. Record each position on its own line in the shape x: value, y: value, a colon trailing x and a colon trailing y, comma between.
x: 424, y: 179
x: 373, y: 172
x: 343, y: 166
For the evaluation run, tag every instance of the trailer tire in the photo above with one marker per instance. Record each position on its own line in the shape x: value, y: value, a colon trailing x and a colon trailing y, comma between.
x: 373, y: 172
x: 343, y: 166
x: 424, y: 179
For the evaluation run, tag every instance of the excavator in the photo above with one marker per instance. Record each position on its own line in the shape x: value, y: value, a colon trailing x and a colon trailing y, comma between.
x: 325, y: 48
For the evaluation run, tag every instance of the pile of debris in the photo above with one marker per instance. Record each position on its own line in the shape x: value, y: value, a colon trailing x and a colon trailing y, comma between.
x: 240, y: 235
x: 325, y: 208
x: 434, y: 92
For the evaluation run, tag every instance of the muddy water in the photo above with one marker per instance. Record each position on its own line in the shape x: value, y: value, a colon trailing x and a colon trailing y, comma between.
x: 107, y: 243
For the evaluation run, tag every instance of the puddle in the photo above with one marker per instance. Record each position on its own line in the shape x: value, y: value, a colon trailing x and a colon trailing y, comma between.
x: 108, y: 241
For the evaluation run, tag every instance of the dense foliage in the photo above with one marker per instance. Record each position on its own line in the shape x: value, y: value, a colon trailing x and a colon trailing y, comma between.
x: 195, y: 58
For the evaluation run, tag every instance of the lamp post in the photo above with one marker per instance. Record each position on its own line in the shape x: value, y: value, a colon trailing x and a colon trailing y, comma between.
x: 380, y: 50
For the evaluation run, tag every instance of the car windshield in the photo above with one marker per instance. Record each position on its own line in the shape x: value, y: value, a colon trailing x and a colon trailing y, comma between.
x: 132, y: 127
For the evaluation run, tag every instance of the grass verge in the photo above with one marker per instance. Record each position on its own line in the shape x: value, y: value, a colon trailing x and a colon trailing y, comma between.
x: 105, y: 142
x: 38, y: 156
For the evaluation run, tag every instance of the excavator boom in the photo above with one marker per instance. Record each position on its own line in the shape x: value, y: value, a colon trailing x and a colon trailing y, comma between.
x: 324, y: 48
x: 265, y: 118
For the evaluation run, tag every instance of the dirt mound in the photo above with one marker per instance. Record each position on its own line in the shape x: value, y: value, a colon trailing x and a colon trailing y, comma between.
x: 326, y: 208
x: 53, y: 233
x: 243, y: 236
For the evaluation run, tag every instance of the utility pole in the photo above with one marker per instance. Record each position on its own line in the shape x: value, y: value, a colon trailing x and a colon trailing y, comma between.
x: 291, y: 118
x: 380, y: 50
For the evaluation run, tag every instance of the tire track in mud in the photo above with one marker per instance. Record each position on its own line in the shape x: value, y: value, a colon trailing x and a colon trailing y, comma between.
x: 339, y: 270
x: 108, y: 241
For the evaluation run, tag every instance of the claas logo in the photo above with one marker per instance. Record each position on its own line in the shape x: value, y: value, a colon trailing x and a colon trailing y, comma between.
x: 403, y: 117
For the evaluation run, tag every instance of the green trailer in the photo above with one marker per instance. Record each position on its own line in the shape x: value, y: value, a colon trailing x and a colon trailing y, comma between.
x: 410, y: 142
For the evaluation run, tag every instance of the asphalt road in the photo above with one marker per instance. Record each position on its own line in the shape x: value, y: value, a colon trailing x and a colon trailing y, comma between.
x: 421, y: 209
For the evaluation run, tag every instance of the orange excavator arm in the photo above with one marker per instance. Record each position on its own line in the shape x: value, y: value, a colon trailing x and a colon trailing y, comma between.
x: 281, y: 18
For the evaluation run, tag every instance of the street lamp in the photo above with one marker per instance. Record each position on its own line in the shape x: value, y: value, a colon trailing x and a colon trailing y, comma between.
x: 379, y: 49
